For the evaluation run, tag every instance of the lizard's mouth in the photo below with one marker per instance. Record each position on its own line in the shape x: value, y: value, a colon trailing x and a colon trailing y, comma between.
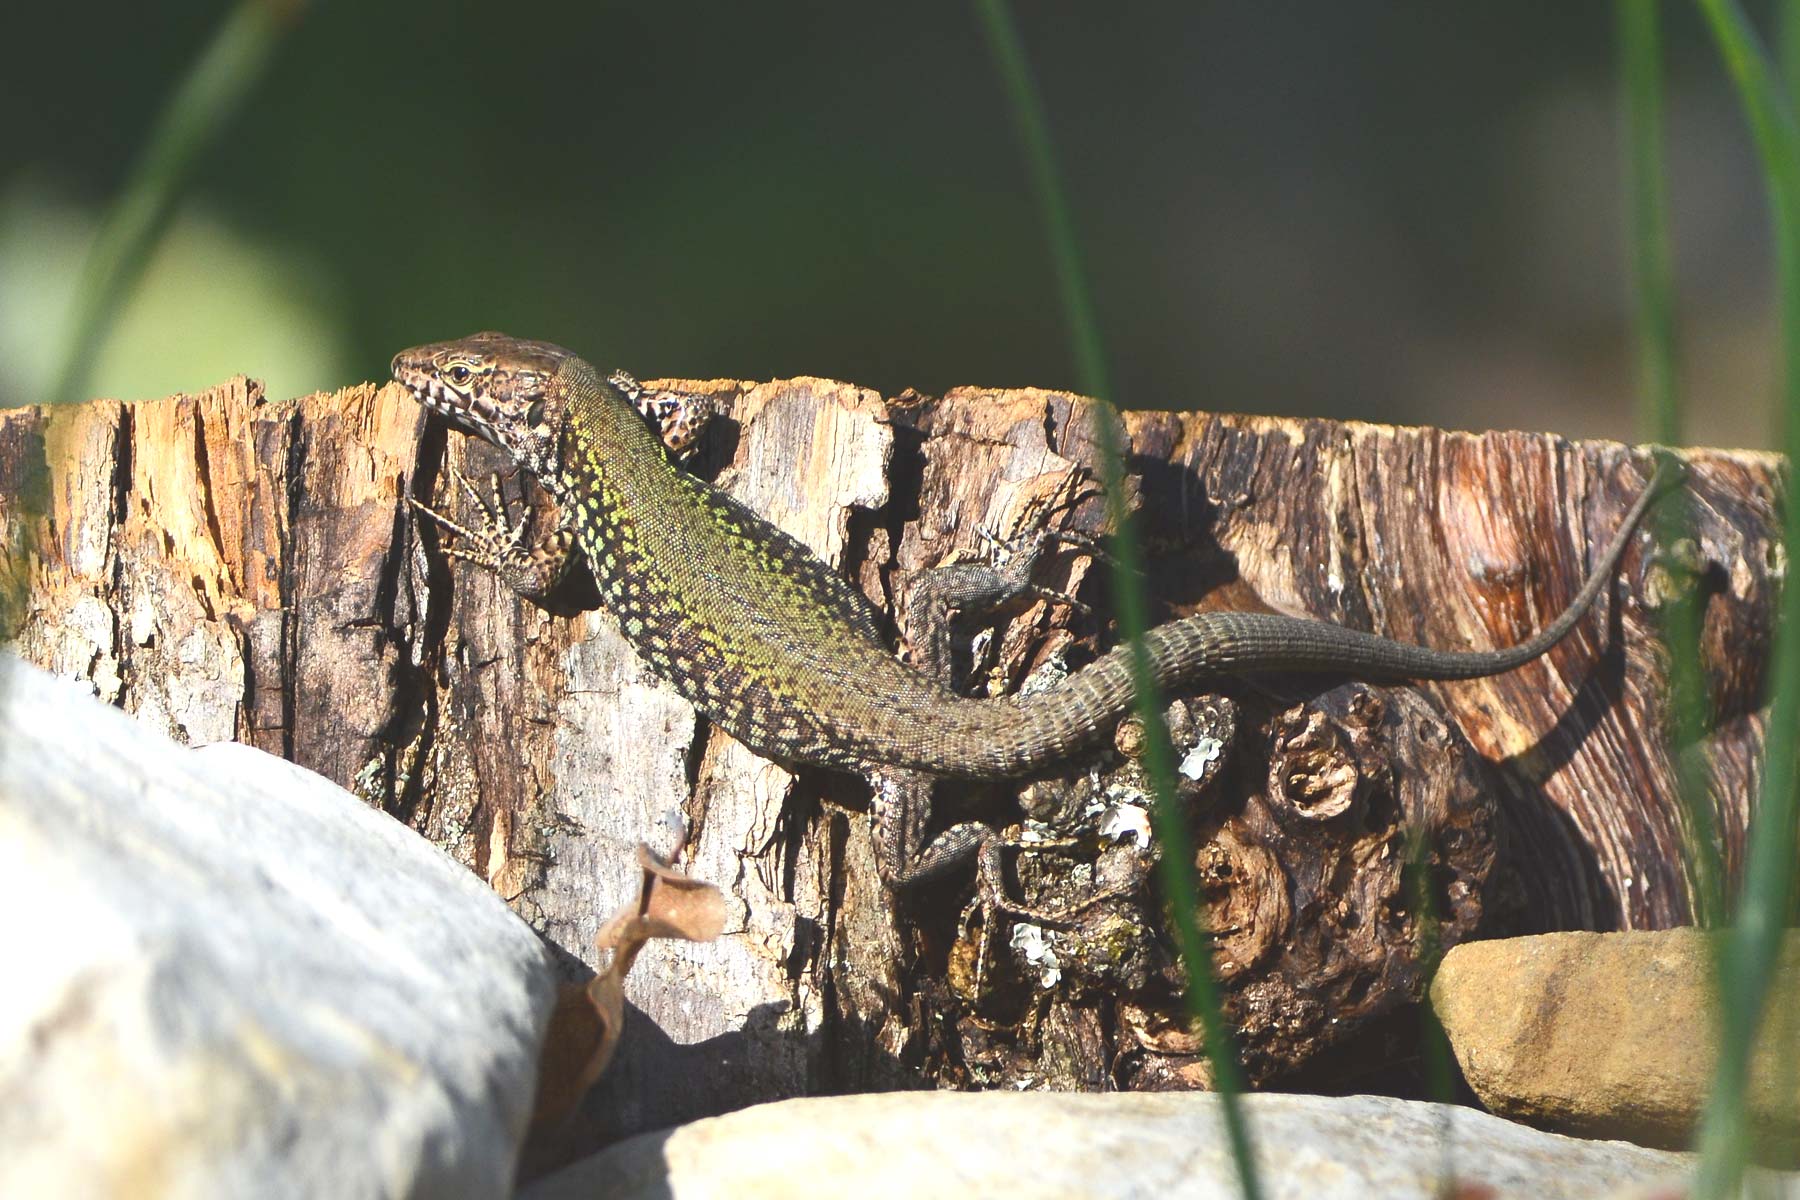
x: 463, y: 412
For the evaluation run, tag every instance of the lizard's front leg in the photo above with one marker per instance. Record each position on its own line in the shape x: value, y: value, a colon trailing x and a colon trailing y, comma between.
x: 678, y: 417
x: 532, y: 570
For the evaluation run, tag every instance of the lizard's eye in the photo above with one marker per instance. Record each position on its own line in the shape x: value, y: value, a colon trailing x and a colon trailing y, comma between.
x: 459, y: 374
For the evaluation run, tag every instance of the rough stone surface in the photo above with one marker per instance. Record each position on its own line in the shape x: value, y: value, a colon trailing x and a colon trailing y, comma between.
x: 1612, y: 1034
x: 1162, y: 1145
x: 226, y: 976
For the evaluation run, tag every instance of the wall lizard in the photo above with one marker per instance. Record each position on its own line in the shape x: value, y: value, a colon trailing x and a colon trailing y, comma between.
x: 782, y: 652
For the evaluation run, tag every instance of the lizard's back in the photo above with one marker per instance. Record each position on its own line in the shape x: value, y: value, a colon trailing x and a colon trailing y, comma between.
x: 742, y: 618
x: 789, y: 658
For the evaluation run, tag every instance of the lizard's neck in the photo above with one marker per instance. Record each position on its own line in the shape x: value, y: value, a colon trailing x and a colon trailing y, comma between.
x: 605, y: 446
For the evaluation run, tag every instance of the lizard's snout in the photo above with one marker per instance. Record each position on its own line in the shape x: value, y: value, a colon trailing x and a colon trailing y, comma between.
x: 411, y: 372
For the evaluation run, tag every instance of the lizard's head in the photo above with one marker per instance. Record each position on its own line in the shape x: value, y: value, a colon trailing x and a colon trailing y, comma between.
x: 496, y: 387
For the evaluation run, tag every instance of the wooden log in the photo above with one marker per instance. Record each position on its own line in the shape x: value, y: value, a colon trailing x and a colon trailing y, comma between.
x: 227, y: 567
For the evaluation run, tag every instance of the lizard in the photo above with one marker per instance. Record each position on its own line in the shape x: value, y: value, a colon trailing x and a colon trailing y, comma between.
x: 771, y: 644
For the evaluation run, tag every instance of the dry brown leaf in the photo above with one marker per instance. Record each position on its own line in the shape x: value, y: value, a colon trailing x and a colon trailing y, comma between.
x: 584, y: 1027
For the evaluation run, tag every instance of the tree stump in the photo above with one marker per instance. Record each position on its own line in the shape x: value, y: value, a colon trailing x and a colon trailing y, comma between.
x: 227, y: 567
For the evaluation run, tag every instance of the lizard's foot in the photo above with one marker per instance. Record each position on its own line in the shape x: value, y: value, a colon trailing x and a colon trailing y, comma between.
x: 971, y: 839
x: 991, y: 883
x: 679, y: 418
x: 946, y: 598
x: 489, y: 545
x: 949, y: 850
x: 1007, y: 575
x: 956, y: 596
x: 1044, y: 944
x: 500, y: 547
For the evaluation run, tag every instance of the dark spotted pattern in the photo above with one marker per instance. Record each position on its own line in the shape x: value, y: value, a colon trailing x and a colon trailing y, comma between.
x: 677, y: 417
x: 770, y: 643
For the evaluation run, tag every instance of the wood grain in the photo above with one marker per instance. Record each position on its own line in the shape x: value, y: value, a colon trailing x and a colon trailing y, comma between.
x: 228, y: 567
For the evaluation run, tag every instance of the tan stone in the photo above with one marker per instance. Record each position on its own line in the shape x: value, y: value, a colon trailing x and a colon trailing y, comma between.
x: 1613, y: 1034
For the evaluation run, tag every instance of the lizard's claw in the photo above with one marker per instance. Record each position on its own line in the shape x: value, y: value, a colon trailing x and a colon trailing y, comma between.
x: 495, y: 532
x: 500, y: 547
x: 485, y: 552
x: 1015, y: 559
x: 443, y: 522
x: 1085, y: 542
x: 462, y: 481
x: 494, y: 543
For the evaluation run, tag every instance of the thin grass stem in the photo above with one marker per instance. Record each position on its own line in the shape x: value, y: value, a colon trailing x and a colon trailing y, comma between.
x: 1748, y: 956
x: 1178, y: 880
x: 204, y: 101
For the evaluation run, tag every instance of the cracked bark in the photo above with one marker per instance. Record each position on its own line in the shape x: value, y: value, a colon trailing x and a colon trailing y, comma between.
x: 225, y: 567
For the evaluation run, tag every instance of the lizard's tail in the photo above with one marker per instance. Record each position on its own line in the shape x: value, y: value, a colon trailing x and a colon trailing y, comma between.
x: 1049, y: 725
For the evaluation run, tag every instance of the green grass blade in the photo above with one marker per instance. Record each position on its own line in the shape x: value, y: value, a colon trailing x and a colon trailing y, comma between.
x: 1748, y: 956
x: 122, y: 247
x: 205, y: 99
x: 1659, y: 420
x: 1046, y: 182
x: 1787, y: 33
x: 1177, y: 871
x: 1436, y: 1059
x: 1653, y: 275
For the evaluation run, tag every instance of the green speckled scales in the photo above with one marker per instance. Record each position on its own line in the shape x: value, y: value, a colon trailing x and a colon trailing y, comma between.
x: 784, y: 654
x: 740, y: 617
x: 788, y: 657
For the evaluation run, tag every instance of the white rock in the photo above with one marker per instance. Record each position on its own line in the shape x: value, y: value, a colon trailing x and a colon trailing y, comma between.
x: 225, y: 976
x: 1166, y: 1146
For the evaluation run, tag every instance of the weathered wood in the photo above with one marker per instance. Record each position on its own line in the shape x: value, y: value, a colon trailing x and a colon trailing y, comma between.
x: 227, y: 567
x: 1455, y: 539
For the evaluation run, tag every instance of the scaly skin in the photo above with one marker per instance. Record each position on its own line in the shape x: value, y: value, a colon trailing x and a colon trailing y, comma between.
x: 774, y: 646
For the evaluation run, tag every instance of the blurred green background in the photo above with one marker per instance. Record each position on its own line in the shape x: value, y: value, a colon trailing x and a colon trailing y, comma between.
x: 1397, y: 212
